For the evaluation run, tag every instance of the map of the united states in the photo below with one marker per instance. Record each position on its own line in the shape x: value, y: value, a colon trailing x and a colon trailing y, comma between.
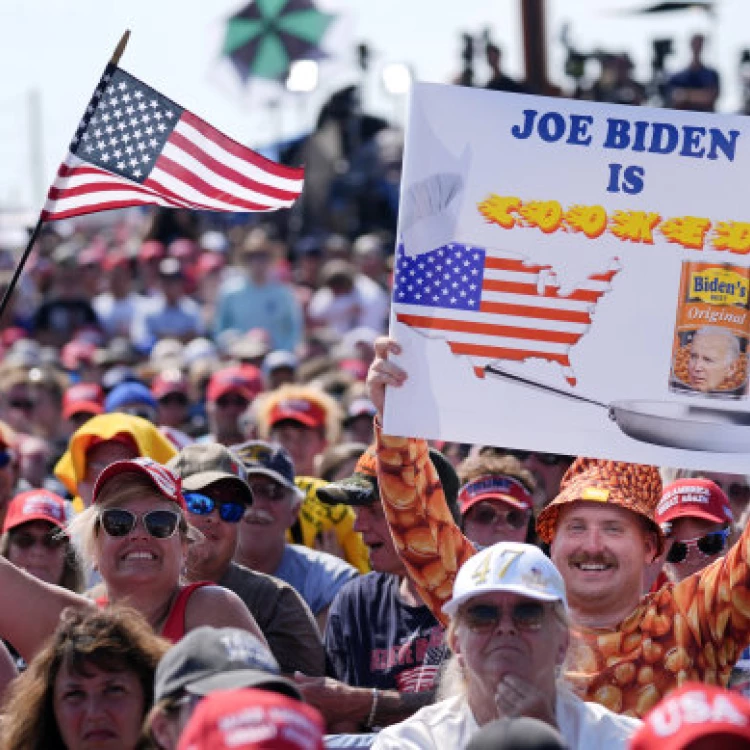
x: 494, y: 306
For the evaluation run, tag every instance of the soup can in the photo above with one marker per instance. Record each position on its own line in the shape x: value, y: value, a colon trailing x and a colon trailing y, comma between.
x: 710, y: 348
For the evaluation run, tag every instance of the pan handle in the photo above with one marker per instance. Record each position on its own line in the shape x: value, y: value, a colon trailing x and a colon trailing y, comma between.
x: 544, y: 387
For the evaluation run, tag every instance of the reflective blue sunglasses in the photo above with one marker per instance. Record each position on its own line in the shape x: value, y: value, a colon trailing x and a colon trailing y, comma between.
x: 202, y: 505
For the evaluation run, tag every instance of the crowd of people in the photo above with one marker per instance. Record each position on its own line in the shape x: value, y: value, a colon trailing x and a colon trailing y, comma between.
x: 209, y: 542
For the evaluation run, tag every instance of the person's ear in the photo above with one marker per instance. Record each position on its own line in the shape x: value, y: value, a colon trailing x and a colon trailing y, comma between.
x: 651, y: 546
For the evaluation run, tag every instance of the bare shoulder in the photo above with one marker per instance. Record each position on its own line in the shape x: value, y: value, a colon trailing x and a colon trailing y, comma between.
x: 219, y: 608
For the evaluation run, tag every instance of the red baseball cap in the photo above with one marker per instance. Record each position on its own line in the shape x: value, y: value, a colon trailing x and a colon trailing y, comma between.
x: 165, y: 481
x: 697, y: 498
x: 116, y: 260
x: 300, y: 410
x: 252, y: 719
x: 494, y: 487
x: 169, y: 381
x: 86, y: 397
x: 695, y: 711
x: 77, y: 352
x: 246, y: 380
x: 35, y: 505
x: 152, y: 250
x: 209, y: 262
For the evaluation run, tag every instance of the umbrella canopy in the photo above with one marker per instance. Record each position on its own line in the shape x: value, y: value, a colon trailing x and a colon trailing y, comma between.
x: 264, y: 38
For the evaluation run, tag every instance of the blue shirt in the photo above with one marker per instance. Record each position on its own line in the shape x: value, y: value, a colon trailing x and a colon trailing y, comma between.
x: 243, y: 305
x: 316, y: 575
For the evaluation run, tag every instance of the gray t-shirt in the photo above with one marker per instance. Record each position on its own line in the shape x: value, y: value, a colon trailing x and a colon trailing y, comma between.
x: 316, y: 575
x: 282, y: 616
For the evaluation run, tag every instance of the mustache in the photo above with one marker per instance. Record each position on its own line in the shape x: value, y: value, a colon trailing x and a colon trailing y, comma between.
x: 584, y: 559
x: 257, y: 515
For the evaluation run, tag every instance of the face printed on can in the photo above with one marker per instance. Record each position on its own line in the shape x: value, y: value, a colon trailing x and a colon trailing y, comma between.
x: 712, y: 358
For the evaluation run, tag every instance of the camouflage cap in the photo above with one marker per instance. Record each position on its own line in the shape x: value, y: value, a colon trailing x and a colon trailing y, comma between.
x: 636, y: 487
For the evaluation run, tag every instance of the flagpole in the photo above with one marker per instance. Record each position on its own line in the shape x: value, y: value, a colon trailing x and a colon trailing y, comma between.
x: 116, y: 55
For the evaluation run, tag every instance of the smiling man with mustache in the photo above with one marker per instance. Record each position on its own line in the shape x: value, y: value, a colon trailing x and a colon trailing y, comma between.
x: 316, y: 575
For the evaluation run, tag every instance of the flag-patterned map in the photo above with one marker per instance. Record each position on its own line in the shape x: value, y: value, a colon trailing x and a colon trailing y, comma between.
x: 492, y: 305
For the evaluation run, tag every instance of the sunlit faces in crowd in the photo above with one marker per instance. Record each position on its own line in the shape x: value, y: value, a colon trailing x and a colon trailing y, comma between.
x: 695, y: 516
x: 89, y: 687
x: 34, y: 538
x: 372, y: 524
x: 601, y: 551
x: 498, y: 634
x: 100, y: 455
x: 216, y: 511
x: 496, y: 499
x: 274, y: 509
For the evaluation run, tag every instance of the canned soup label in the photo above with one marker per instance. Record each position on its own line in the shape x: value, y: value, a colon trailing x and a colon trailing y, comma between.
x: 709, y: 354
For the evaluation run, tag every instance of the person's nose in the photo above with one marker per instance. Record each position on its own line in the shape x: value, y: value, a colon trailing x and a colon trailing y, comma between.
x: 505, y: 623
x: 360, y: 523
x: 592, y: 540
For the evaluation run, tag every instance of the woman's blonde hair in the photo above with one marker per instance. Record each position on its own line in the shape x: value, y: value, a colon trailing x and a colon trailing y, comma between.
x: 84, y: 528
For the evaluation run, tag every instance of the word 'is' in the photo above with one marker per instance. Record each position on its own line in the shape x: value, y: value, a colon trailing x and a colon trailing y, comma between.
x: 632, y: 226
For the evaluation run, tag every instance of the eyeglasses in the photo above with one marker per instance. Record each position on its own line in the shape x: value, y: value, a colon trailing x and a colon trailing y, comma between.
x: 484, y: 618
x: 174, y: 399
x: 160, y: 524
x: 548, y: 459
x: 226, y: 401
x: 709, y: 545
x: 487, y: 515
x: 202, y: 505
x: 24, y: 540
x: 272, y: 491
x: 25, y: 404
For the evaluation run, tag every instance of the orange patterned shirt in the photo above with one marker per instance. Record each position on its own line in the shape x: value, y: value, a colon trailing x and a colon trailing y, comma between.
x: 693, y: 630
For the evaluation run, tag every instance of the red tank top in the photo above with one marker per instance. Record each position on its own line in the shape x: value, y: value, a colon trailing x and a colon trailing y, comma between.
x: 174, y: 626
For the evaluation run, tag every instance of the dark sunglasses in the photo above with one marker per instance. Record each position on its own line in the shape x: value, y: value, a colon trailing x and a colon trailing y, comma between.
x: 24, y: 404
x: 5, y: 458
x: 487, y: 515
x: 160, y: 524
x: 709, y: 545
x: 202, y: 505
x: 484, y: 618
x: 226, y: 401
x: 174, y: 399
x: 272, y: 491
x: 25, y: 540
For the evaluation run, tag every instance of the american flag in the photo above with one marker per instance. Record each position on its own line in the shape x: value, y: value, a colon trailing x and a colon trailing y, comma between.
x: 494, y: 306
x: 134, y: 147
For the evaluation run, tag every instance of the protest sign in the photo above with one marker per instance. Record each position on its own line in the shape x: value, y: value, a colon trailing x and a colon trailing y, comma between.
x: 574, y: 277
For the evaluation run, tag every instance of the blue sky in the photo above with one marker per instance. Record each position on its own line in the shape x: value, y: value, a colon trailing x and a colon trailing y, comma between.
x: 59, y: 48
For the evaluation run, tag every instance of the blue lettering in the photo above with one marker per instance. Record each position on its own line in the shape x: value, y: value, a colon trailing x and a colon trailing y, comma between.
x: 579, y: 130
x: 670, y: 131
x: 691, y: 146
x: 528, y: 125
x: 617, y: 133
x: 720, y: 141
x: 551, y: 127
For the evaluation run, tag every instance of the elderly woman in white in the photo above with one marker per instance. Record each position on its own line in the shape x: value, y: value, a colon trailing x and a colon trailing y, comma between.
x: 509, y: 635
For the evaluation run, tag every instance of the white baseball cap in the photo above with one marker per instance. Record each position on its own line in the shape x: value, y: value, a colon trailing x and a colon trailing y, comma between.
x: 508, y: 566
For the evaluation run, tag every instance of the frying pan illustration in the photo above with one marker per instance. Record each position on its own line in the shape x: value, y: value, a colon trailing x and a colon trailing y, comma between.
x: 665, y: 423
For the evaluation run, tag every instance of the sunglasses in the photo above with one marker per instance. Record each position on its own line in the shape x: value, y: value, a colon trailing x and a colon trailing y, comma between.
x: 24, y: 404
x: 227, y: 401
x: 174, y: 399
x: 202, y: 505
x: 709, y: 545
x: 24, y: 540
x: 484, y: 618
x: 269, y: 490
x: 487, y: 515
x: 160, y: 524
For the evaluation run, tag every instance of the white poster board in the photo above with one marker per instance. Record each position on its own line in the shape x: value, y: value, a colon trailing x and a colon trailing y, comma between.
x: 573, y: 278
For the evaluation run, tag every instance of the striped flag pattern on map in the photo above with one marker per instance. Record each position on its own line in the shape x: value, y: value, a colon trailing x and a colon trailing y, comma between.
x: 135, y: 147
x: 494, y: 306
